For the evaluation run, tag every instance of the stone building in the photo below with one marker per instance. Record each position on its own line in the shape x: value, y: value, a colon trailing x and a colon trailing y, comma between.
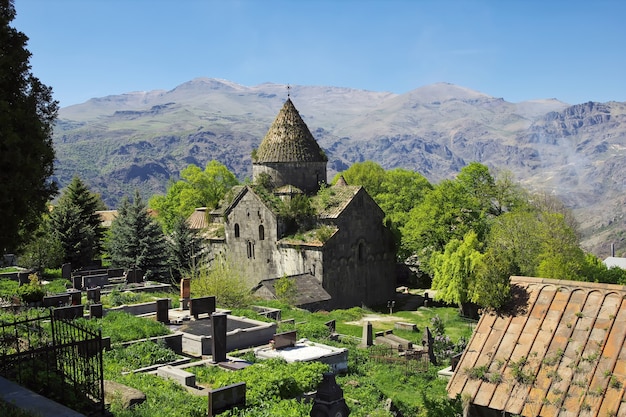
x: 289, y: 223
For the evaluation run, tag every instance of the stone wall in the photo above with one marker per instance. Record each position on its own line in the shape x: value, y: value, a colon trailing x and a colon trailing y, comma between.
x: 305, y: 175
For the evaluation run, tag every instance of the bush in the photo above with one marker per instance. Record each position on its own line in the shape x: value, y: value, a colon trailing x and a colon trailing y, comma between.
x: 123, y: 327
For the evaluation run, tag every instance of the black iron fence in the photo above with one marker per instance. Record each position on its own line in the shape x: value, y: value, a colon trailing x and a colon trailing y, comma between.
x: 60, y: 359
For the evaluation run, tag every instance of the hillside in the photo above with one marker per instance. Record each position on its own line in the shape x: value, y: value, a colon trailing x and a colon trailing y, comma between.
x: 143, y: 139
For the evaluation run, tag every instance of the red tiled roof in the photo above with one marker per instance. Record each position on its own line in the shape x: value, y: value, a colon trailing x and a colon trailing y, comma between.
x: 557, y: 351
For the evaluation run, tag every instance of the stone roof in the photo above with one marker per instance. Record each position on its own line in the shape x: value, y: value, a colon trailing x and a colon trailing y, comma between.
x: 556, y: 350
x: 614, y: 262
x: 308, y: 289
x: 332, y: 201
x: 289, y: 140
x: 198, y: 219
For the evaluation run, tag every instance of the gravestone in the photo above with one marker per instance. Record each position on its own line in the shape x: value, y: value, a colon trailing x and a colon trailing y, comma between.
x: 286, y: 339
x: 68, y: 312
x: 57, y: 300
x: 329, y: 401
x: 162, y: 313
x: 77, y: 282
x: 23, y: 278
x: 66, y: 271
x: 202, y: 305
x: 185, y: 293
x: 75, y: 297
x: 95, y: 311
x: 225, y: 398
x: 134, y: 276
x: 93, y: 294
x: 428, y: 342
x: 366, y: 339
x: 332, y: 325
x: 218, y: 337
x: 91, y: 281
x: 115, y: 272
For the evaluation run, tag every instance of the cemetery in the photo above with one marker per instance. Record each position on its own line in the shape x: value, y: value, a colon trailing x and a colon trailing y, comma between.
x: 203, y: 342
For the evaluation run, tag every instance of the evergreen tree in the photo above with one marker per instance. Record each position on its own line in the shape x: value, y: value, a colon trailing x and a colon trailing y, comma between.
x: 75, y: 235
x: 136, y: 240
x: 184, y: 249
x: 27, y: 114
x: 81, y: 233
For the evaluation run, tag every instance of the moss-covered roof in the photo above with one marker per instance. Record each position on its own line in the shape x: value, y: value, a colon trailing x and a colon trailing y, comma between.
x: 289, y: 140
x: 331, y: 201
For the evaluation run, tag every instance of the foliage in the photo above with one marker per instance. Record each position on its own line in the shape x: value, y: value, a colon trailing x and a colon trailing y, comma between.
x: 138, y: 355
x: 286, y: 289
x: 456, y: 271
x: 77, y: 225
x: 297, y: 213
x: 368, y: 174
x: 273, y: 379
x: 184, y: 247
x: 117, y: 298
x: 8, y: 288
x: 32, y: 292
x: 44, y: 250
x: 136, y: 240
x: 224, y: 279
x: 27, y: 115
x: 9, y: 410
x: 123, y: 327
x: 196, y: 188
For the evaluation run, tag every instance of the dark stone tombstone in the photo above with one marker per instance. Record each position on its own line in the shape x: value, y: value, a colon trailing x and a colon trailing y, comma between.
x: 95, y: 311
x: 454, y: 361
x: 332, y: 325
x: 225, y: 398
x: 329, y: 401
x: 68, y: 312
x: 56, y: 300
x: 163, y: 310
x: 115, y: 272
x: 202, y: 305
x: 93, y: 294
x: 77, y: 282
x: 367, y: 339
x: 218, y: 337
x: 95, y: 280
x: 286, y: 339
x: 428, y: 342
x: 66, y: 271
x: 23, y: 278
x: 75, y: 297
x: 134, y: 276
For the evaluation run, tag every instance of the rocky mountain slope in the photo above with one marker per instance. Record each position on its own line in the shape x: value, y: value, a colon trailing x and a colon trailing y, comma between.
x: 143, y: 139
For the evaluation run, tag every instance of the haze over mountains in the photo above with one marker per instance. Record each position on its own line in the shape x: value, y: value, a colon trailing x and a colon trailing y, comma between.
x: 143, y: 139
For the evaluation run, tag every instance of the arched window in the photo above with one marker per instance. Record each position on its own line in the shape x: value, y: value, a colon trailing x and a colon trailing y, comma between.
x: 361, y: 253
x: 236, y: 229
x: 250, y: 249
x: 261, y: 232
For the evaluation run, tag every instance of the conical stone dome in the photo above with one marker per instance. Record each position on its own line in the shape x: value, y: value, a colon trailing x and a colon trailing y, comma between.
x: 289, y: 154
x: 289, y: 140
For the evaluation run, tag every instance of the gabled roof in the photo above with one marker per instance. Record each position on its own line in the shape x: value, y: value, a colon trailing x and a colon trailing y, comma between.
x: 331, y: 202
x: 309, y: 290
x: 198, y: 219
x: 557, y: 351
x: 289, y: 140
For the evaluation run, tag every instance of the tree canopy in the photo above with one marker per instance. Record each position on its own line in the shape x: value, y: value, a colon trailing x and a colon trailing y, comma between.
x: 27, y: 115
x: 196, y: 188
x: 136, y: 240
x: 77, y: 225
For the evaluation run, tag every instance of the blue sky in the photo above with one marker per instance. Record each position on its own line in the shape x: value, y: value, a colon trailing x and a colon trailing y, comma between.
x: 515, y: 49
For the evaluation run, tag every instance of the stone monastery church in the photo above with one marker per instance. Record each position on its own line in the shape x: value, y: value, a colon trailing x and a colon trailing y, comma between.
x: 330, y: 240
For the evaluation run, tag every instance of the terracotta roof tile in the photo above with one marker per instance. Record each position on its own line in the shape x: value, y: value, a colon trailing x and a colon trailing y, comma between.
x: 559, y: 351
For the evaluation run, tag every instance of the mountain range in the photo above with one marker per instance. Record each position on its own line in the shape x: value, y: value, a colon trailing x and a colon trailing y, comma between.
x: 142, y: 140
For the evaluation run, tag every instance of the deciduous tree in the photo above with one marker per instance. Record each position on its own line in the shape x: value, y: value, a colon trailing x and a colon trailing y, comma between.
x: 27, y: 115
x: 196, y: 188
